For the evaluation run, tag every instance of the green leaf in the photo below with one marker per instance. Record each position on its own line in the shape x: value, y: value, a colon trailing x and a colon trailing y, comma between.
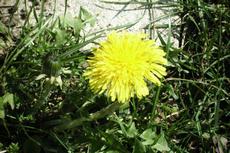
x: 138, y: 147
x: 9, y: 98
x: 86, y: 16
x: 60, y: 37
x: 3, y: 28
x: 78, y: 25
x: 121, y: 124
x: 59, y: 81
x: 68, y: 21
x: 132, y: 131
x: 74, y: 22
x: 13, y: 148
x: 40, y: 76
x: 148, y: 135
x: 161, y: 144
x: 2, y: 111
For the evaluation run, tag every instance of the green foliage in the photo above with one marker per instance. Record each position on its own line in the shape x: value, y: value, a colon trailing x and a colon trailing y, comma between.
x: 13, y: 148
x: 46, y: 105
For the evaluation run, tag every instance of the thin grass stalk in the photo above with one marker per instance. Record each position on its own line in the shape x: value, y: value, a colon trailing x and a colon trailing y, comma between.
x: 155, y: 102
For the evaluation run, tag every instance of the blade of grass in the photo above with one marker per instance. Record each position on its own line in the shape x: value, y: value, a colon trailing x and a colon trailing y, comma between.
x: 23, y: 44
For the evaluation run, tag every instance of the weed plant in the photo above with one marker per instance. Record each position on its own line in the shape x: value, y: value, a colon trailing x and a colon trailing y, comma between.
x: 46, y: 104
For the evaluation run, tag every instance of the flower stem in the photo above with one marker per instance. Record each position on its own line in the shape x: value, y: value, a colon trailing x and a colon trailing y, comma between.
x: 92, y: 117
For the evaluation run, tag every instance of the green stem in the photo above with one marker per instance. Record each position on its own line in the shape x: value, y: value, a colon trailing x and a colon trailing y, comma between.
x: 155, y: 102
x: 92, y: 117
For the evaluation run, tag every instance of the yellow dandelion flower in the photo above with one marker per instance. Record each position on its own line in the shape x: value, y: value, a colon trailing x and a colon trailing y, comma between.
x: 123, y: 63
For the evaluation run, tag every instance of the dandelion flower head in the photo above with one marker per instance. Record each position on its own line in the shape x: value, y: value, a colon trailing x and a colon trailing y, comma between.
x: 123, y: 63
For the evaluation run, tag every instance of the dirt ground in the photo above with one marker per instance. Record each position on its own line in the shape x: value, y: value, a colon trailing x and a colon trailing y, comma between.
x: 107, y: 15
